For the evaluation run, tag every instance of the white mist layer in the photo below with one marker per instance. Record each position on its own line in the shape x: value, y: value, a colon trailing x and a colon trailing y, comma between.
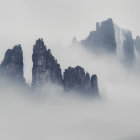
x: 64, y: 118
x: 52, y: 114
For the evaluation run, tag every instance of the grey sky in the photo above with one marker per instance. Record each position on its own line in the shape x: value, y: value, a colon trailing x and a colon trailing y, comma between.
x: 60, y: 20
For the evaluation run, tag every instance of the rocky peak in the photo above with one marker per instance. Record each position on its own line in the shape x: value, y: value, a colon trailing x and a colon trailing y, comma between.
x: 103, y: 39
x: 12, y: 65
x: 137, y: 44
x: 46, y: 69
x: 45, y: 66
x: 76, y: 79
x: 39, y: 44
x: 128, y: 48
x: 94, y: 84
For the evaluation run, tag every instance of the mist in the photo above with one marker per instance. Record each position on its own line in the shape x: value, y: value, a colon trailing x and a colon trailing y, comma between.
x: 51, y: 113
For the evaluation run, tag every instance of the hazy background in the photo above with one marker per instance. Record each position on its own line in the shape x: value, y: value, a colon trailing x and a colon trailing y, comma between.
x: 50, y: 115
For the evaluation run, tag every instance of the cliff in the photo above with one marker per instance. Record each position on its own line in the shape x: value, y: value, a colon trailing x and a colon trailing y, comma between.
x: 45, y: 69
x: 45, y: 66
x: 137, y: 44
x: 108, y: 38
x: 78, y: 80
x: 103, y: 39
x: 12, y: 64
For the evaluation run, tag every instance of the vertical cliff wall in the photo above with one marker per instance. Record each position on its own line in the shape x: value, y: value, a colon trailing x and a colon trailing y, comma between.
x: 45, y: 66
x: 103, y: 39
x: 78, y: 80
x: 12, y: 64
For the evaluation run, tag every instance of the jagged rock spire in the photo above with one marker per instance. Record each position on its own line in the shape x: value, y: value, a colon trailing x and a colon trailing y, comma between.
x: 137, y: 44
x: 12, y: 65
x: 45, y: 66
x: 128, y: 48
x: 103, y: 39
x: 76, y: 79
x: 94, y: 84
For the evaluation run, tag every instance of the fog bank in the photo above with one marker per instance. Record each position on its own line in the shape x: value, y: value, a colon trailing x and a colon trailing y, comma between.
x: 50, y: 113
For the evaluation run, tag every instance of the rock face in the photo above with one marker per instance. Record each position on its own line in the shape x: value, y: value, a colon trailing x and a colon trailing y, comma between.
x: 12, y: 65
x: 111, y: 39
x: 137, y: 44
x: 77, y: 80
x: 103, y: 39
x: 128, y: 47
x: 45, y: 66
x: 125, y: 45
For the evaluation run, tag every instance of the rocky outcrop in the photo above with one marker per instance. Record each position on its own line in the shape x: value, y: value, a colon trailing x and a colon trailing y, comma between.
x: 128, y: 48
x: 12, y: 65
x: 45, y: 66
x: 46, y: 69
x: 111, y: 39
x: 137, y: 44
x: 103, y: 39
x: 94, y: 84
x: 78, y: 80
x: 125, y: 45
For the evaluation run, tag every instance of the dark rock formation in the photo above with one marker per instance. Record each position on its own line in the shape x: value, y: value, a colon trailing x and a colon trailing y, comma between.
x: 94, y: 84
x: 111, y: 39
x: 128, y: 48
x: 77, y: 80
x: 103, y: 39
x: 137, y: 44
x: 125, y: 45
x: 45, y: 66
x: 12, y: 65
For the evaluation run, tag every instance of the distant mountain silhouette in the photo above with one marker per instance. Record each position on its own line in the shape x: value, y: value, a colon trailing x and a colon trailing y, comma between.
x: 108, y: 38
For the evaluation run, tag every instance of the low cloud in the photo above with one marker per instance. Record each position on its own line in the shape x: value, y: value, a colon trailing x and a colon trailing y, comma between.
x: 51, y: 113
